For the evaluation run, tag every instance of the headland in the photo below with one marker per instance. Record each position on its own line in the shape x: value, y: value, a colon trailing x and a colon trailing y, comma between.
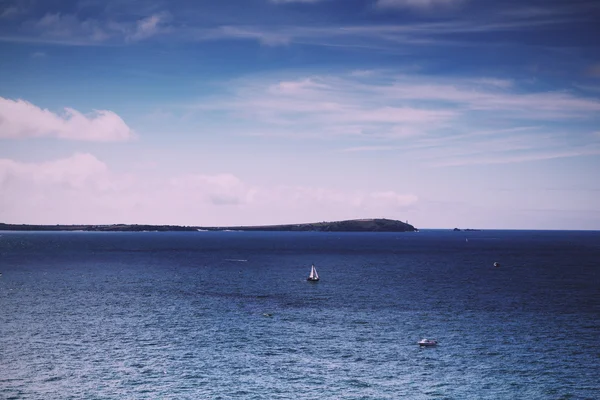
x: 354, y: 225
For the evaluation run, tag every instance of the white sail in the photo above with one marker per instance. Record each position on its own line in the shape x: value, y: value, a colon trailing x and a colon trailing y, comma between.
x: 313, y: 274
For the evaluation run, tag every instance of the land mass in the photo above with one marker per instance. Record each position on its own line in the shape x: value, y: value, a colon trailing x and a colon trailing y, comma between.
x: 355, y: 225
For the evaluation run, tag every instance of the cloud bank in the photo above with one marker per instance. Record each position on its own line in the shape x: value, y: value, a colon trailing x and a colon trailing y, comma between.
x: 21, y: 119
x: 82, y: 189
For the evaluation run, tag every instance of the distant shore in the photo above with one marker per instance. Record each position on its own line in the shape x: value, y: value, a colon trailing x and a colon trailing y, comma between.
x: 355, y: 225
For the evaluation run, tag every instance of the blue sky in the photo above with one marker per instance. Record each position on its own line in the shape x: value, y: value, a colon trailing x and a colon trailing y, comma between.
x: 467, y: 113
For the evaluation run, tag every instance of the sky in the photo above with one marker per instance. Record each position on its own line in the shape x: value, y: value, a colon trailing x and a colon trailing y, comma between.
x: 443, y: 113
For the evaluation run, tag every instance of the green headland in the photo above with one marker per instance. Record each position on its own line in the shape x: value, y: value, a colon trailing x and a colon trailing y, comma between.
x: 354, y: 225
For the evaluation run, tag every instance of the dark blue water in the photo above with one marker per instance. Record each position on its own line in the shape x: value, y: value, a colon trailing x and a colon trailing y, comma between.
x: 182, y: 315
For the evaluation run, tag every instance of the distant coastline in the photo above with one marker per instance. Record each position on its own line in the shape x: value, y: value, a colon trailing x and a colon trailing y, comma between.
x: 356, y: 225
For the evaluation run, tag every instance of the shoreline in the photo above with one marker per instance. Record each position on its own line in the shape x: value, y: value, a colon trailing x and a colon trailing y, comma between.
x: 359, y: 225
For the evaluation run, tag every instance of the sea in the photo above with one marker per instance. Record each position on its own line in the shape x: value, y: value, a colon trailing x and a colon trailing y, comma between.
x: 230, y: 315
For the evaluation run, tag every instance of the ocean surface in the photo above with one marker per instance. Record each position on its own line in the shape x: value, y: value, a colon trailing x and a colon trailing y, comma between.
x: 230, y: 315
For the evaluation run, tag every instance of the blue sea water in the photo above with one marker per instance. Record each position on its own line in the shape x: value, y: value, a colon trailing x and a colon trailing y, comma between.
x: 230, y: 315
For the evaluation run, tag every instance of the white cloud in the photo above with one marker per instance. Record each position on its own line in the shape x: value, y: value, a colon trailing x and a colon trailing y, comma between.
x: 302, y: 86
x: 148, y: 27
x: 265, y: 37
x: 21, y: 119
x: 83, y: 189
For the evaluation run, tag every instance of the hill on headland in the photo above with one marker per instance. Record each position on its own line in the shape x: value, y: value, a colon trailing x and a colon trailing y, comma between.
x: 355, y: 225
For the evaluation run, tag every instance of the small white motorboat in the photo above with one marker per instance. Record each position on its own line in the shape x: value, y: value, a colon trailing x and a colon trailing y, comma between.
x: 428, y: 342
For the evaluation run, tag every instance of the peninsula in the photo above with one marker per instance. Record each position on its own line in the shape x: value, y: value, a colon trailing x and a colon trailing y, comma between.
x: 355, y: 225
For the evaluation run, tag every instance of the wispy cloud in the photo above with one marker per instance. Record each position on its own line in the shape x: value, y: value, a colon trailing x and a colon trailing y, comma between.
x: 295, y: 1
x: 94, y: 29
x: 264, y: 36
x: 530, y: 10
x: 416, y: 4
x: 377, y: 36
x: 21, y: 119
x: 10, y: 10
x: 148, y: 27
x: 594, y: 70
x: 329, y: 105
x: 518, y: 157
x: 533, y: 104
x: 358, y: 149
x: 402, y: 99
x: 71, y: 29
x: 434, y: 120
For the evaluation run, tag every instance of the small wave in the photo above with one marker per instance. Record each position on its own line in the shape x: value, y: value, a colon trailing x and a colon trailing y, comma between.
x: 53, y: 379
x: 358, y: 383
x: 235, y: 260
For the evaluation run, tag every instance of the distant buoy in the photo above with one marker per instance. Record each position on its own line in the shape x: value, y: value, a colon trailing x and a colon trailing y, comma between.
x: 496, y: 264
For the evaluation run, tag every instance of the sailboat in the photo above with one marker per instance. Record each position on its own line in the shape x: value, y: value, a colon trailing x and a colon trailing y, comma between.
x: 313, y: 277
